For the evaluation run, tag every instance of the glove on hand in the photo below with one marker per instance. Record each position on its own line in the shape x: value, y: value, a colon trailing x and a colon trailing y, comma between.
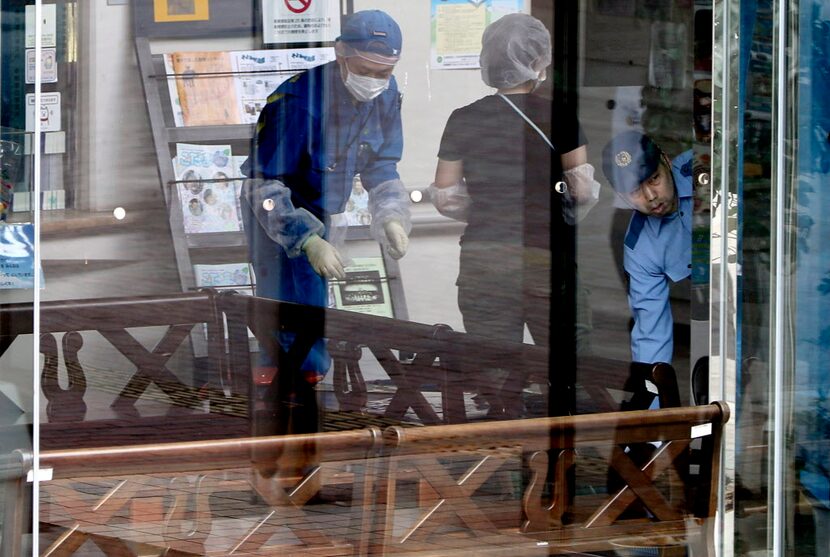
x: 398, y: 240
x: 584, y: 189
x: 324, y: 258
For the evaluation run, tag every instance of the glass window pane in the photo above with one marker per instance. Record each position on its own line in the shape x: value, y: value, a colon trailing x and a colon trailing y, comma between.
x: 811, y: 120
x: 337, y: 279
x: 18, y: 265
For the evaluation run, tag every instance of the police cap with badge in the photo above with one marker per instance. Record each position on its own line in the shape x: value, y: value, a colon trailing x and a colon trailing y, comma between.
x: 629, y: 159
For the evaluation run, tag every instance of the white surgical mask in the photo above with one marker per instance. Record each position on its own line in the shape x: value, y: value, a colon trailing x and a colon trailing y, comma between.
x: 363, y: 87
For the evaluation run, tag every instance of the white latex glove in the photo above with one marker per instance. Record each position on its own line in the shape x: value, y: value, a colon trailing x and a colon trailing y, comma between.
x: 580, y: 180
x: 324, y: 258
x: 398, y: 240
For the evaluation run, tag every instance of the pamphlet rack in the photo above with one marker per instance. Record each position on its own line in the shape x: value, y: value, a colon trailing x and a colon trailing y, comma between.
x: 211, y: 248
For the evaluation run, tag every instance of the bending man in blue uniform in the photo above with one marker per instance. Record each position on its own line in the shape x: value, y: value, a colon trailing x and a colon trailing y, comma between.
x: 317, y: 132
x: 658, y: 249
x: 658, y: 242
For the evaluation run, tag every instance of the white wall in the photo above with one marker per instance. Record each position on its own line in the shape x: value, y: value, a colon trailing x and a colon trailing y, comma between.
x: 116, y: 154
x: 429, y: 95
x: 118, y: 164
x: 122, y: 164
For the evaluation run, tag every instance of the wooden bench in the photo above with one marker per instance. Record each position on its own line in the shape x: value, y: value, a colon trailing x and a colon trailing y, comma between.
x: 444, y: 359
x: 416, y: 491
x: 220, y: 400
x: 116, y: 404
x: 561, y: 466
x: 205, y: 498
x: 120, y: 406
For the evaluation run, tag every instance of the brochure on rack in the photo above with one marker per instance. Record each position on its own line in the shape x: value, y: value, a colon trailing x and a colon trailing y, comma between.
x: 207, y: 191
x: 215, y: 88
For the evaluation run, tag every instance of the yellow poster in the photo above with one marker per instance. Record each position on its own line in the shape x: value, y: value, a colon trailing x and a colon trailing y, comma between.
x: 205, y: 88
x: 457, y: 27
x: 181, y: 10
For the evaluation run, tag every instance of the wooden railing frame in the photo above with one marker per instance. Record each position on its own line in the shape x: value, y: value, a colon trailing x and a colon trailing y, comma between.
x: 534, y: 436
x: 260, y: 455
x: 112, y: 317
x: 442, y: 357
x: 537, y: 440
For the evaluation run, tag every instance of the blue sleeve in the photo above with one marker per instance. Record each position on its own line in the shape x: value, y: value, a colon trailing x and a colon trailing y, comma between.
x: 384, y: 167
x: 648, y: 297
x: 285, y: 224
x: 280, y: 140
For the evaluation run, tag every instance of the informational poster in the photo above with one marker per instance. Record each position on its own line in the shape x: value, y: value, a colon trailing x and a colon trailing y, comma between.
x: 237, y: 277
x: 204, y: 88
x: 220, y: 88
x: 300, y: 21
x: 48, y: 65
x: 48, y: 27
x: 206, y: 188
x: 226, y: 274
x: 365, y: 290
x: 49, y: 112
x: 457, y: 26
x: 259, y: 72
x: 17, y: 256
x: 181, y: 10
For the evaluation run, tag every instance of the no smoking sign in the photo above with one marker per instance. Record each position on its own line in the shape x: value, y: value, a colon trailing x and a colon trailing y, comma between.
x: 297, y: 21
x: 297, y: 6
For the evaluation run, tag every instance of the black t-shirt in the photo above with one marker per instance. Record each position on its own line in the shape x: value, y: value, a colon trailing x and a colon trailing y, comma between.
x: 509, y: 168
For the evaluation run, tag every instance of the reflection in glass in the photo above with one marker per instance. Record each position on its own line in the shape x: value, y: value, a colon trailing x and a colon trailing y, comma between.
x: 810, y: 478
x: 18, y: 268
x: 263, y: 179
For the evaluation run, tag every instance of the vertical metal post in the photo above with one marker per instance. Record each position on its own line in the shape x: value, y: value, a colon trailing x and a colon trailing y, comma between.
x: 724, y: 247
x: 35, y: 206
x: 780, y: 236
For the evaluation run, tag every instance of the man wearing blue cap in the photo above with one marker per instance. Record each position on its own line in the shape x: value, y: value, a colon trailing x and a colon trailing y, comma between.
x: 658, y: 242
x: 318, y: 131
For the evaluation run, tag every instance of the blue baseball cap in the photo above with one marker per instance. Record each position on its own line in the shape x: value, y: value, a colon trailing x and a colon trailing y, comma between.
x: 372, y: 34
x: 629, y: 159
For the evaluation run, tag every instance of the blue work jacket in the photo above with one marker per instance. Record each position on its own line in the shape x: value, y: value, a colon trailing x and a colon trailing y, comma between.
x: 658, y: 249
x: 313, y: 136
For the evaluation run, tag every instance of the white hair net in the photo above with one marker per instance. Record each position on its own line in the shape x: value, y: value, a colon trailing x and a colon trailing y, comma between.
x: 511, y: 47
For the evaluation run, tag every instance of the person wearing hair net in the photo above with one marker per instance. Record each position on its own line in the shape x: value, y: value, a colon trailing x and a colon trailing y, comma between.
x: 317, y: 132
x: 513, y: 165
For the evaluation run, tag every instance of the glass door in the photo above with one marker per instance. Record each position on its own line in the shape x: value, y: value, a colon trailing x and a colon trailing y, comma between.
x: 771, y: 160
x: 806, y: 151
x: 19, y: 44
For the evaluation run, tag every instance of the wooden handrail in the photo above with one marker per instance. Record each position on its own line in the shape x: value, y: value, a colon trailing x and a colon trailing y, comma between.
x: 138, y: 311
x: 533, y: 434
x: 200, y: 455
x: 445, y: 357
x: 558, y: 432
x: 97, y: 313
x: 374, y: 330
x: 419, y: 454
